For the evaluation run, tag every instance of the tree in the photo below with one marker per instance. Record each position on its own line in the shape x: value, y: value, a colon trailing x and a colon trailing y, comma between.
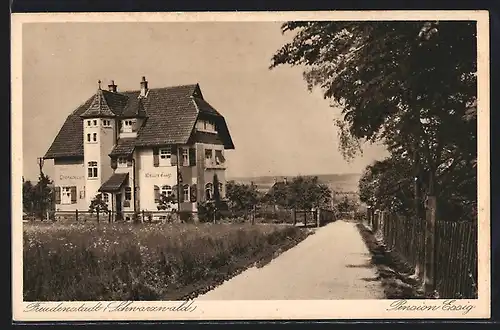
x: 302, y: 192
x: 28, y: 197
x: 42, y: 196
x: 98, y: 205
x: 216, y: 195
x: 241, y: 197
x: 307, y: 192
x: 387, y: 185
x: 411, y: 85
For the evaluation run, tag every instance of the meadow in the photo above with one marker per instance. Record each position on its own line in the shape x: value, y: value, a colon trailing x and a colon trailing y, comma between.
x: 76, y: 262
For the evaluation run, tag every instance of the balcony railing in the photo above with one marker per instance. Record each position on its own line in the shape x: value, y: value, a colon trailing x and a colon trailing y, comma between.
x: 210, y: 163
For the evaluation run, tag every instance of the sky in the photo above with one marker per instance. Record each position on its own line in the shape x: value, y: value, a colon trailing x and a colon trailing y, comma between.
x: 277, y: 125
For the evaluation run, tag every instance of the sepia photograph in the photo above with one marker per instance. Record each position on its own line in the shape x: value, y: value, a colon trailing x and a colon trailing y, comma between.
x: 186, y: 166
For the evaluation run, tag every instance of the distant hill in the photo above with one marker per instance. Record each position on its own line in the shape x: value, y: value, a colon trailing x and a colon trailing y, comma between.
x: 337, y: 182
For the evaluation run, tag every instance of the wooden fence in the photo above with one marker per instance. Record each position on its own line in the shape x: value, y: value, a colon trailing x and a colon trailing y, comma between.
x: 453, y: 272
x: 306, y: 218
x: 456, y: 259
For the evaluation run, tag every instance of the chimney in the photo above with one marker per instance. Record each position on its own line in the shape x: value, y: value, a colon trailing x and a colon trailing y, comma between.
x: 144, y: 86
x: 112, y: 87
x: 284, y: 180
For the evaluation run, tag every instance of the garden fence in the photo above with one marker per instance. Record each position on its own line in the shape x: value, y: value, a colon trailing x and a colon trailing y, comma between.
x: 306, y: 218
x: 454, y: 251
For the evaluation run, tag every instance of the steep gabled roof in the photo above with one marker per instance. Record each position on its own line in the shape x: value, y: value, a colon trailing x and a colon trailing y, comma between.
x: 170, y: 116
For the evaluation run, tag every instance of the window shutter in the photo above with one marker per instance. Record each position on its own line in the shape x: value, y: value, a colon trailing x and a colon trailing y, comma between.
x: 193, y: 192
x: 175, y: 192
x: 73, y: 195
x: 156, y: 157
x: 129, y: 162
x: 173, y: 157
x: 58, y: 195
x: 181, y: 196
x: 157, y: 194
x: 192, y: 156
x: 181, y: 157
x: 113, y: 163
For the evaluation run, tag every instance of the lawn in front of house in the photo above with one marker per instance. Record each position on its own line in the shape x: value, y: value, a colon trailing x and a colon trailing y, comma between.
x: 78, y: 262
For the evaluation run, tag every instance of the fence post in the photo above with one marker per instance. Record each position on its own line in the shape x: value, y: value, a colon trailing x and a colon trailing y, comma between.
x: 430, y: 245
x: 76, y: 215
x: 97, y: 215
x: 318, y: 211
x: 142, y: 215
x: 294, y: 217
x: 109, y: 216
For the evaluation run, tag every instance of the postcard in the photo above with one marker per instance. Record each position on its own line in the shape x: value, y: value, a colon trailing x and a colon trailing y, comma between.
x: 250, y: 166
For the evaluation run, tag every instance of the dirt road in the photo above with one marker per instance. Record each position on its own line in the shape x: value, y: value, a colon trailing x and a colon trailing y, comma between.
x: 333, y: 263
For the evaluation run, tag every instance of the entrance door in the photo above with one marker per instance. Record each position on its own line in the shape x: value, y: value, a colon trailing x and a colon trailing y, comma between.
x: 119, y: 215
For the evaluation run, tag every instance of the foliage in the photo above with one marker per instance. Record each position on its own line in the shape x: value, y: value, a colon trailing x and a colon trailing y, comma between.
x: 206, y: 211
x: 38, y: 198
x: 241, y: 196
x: 302, y: 192
x: 165, y: 201
x: 28, y: 196
x: 389, y: 185
x: 346, y: 205
x: 148, y: 262
x: 98, y: 205
x: 411, y: 85
x: 216, y: 196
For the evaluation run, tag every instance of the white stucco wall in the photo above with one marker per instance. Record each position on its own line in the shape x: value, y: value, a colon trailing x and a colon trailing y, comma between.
x: 71, y: 173
x: 98, y: 152
x: 148, y: 176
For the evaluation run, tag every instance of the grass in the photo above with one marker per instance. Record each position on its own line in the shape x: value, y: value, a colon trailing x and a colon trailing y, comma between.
x: 142, y: 262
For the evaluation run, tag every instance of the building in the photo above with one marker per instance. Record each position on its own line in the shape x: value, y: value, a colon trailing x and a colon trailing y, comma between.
x: 133, y: 146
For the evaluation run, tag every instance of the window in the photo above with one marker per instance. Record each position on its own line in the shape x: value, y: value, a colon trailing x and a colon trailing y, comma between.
x: 122, y: 162
x: 95, y: 137
x: 66, y: 195
x: 219, y: 157
x: 105, y: 198
x: 92, y: 170
x: 128, y: 193
x: 185, y: 192
x: 208, y: 154
x: 88, y: 137
x: 166, y: 190
x: 185, y: 157
x: 95, y: 122
x: 88, y: 122
x: 128, y: 125
x: 165, y: 155
x: 208, y: 191
x: 106, y: 123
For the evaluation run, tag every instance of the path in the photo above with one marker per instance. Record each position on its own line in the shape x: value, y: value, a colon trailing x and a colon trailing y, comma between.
x: 332, y: 263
